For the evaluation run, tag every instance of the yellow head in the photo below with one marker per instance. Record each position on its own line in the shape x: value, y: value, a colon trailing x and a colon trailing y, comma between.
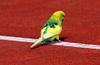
x: 59, y: 15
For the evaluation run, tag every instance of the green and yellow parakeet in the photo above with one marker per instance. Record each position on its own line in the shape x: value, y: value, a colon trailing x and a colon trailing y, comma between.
x: 51, y: 29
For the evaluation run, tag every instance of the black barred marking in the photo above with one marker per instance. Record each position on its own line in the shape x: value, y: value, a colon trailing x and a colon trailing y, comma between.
x: 52, y: 25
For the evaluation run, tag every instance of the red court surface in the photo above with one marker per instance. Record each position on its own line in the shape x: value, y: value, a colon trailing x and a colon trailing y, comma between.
x: 25, y: 18
x: 16, y: 53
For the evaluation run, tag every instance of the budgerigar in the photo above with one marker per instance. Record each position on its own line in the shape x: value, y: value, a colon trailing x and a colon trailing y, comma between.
x: 51, y: 29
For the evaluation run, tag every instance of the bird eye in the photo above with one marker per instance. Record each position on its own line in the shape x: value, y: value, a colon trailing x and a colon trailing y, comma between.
x: 63, y: 15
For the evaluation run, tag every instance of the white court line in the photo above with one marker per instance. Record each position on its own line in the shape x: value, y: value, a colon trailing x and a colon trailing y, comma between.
x: 70, y: 44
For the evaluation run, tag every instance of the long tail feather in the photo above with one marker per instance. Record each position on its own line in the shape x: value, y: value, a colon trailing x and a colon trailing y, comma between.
x: 37, y: 43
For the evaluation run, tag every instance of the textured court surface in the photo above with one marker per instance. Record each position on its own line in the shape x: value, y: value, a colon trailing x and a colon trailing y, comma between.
x: 14, y: 53
x: 25, y: 18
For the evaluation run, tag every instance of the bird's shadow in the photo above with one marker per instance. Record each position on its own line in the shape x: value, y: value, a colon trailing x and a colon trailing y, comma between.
x: 63, y: 38
x: 55, y: 41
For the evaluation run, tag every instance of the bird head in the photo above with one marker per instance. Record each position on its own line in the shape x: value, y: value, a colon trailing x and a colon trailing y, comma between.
x: 59, y: 15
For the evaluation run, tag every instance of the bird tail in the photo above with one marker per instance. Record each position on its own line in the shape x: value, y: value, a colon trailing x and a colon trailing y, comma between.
x: 37, y: 43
